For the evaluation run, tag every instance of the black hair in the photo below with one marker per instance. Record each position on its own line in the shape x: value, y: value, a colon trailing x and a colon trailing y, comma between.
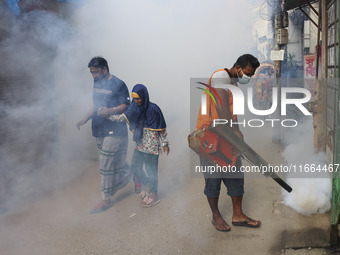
x: 98, y: 62
x: 247, y: 59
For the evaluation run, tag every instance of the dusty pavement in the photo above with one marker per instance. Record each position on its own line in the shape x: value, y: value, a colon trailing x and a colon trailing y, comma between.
x: 60, y: 223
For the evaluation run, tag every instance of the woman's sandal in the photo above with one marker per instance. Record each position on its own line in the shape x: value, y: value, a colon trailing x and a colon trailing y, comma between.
x: 144, y: 194
x: 148, y: 202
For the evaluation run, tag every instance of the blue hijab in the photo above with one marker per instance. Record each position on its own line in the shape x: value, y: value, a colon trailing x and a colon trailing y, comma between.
x: 148, y: 115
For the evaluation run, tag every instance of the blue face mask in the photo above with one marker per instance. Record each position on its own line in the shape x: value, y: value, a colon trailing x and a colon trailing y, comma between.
x: 244, y: 79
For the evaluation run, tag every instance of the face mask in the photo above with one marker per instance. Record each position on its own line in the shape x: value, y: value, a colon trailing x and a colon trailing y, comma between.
x: 244, y: 79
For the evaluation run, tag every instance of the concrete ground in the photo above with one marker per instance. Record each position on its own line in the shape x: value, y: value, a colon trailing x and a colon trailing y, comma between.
x: 60, y: 223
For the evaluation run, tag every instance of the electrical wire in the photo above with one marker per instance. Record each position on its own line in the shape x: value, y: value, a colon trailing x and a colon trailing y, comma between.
x: 268, y: 18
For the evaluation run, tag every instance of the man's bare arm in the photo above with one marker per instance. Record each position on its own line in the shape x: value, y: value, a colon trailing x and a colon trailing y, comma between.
x: 87, y: 117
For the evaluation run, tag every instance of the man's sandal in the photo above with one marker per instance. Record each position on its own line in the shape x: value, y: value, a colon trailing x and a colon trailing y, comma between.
x: 247, y: 223
x: 223, y: 228
x: 102, y: 206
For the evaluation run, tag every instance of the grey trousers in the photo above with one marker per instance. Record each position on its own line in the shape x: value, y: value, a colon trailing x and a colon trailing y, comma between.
x: 114, y: 170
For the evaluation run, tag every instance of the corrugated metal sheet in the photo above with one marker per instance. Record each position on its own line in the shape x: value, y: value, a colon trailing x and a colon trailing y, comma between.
x: 293, y: 4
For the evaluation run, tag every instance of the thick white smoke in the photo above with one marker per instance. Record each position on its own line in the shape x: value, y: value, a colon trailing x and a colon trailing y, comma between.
x: 161, y: 44
x: 311, y: 191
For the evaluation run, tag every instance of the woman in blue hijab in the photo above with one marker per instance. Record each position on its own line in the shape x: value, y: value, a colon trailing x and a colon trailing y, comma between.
x: 148, y: 125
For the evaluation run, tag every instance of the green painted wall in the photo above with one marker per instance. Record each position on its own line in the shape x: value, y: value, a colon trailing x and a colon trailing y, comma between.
x: 336, y: 176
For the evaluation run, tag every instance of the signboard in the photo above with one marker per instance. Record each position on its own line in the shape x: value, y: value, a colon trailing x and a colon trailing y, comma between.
x: 309, y: 67
x: 277, y: 55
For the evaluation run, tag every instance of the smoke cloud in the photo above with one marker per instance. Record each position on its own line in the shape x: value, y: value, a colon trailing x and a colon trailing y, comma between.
x: 159, y: 44
x: 28, y: 111
x: 311, y: 191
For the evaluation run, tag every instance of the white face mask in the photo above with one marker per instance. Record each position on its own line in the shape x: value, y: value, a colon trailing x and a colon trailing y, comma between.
x: 244, y: 79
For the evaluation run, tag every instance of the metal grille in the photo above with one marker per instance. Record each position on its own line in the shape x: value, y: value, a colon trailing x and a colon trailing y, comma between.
x: 332, y: 74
